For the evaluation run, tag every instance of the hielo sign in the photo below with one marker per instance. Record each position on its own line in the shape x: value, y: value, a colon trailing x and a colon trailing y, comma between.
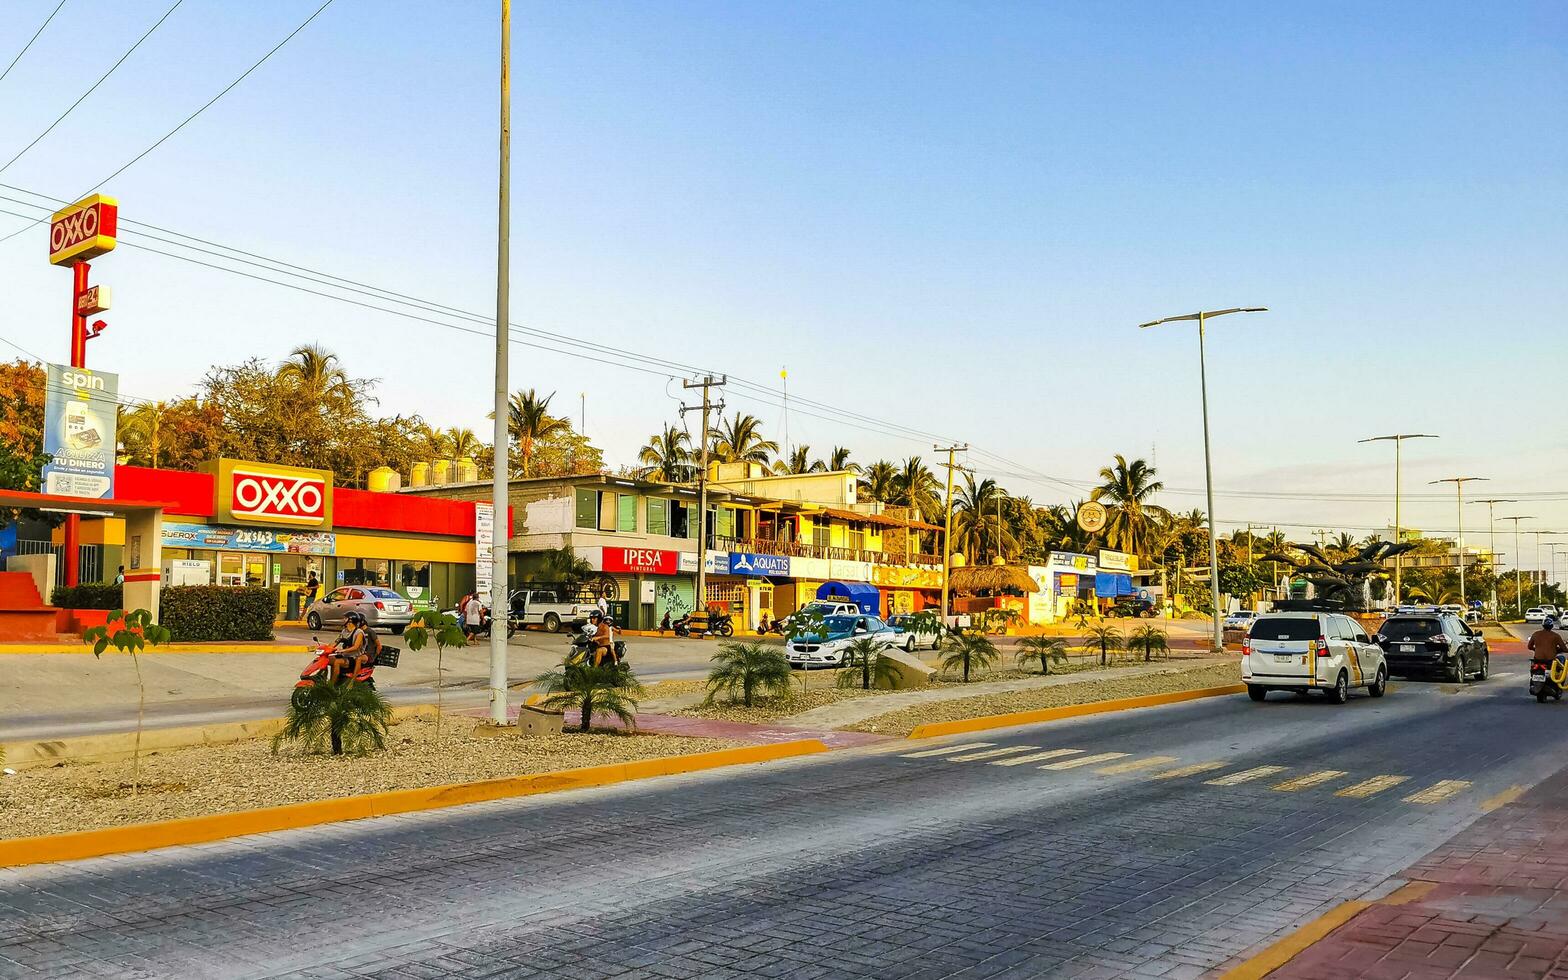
x: 262, y: 493
x: 84, y: 230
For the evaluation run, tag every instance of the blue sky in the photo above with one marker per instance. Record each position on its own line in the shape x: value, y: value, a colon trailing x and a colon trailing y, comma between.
x: 952, y: 215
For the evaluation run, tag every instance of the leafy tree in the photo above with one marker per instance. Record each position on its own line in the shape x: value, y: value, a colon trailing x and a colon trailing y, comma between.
x: 606, y: 689
x: 969, y: 651
x: 319, y: 375
x: 865, y: 665
x: 747, y: 668
x: 1150, y: 640
x: 563, y: 565
x: 180, y: 434
x: 667, y: 456
x: 1044, y: 649
x: 878, y: 481
x: 976, y: 528
x: 739, y: 440
x: 838, y: 460
x: 565, y: 452
x: 18, y: 472
x: 460, y: 442
x: 1127, y: 490
x: 129, y: 631
x: 914, y: 487
x: 428, y: 625
x: 1104, y: 637
x: 529, y: 421
x: 349, y: 717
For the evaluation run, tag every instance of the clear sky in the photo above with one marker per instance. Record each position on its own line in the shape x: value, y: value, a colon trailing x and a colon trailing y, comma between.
x: 949, y: 215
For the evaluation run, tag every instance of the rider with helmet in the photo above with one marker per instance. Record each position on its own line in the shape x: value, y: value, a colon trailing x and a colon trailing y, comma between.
x: 354, y: 646
x: 601, y: 638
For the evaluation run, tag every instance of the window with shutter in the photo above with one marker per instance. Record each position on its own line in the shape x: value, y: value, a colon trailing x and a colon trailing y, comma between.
x: 658, y: 519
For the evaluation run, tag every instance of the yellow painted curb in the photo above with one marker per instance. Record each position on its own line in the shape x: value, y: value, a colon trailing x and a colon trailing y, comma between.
x: 938, y: 728
x: 220, y: 826
x: 22, y: 649
x: 1282, y: 952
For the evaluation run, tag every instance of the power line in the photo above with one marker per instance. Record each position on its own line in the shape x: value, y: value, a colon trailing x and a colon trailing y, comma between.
x: 61, y: 117
x: 30, y: 40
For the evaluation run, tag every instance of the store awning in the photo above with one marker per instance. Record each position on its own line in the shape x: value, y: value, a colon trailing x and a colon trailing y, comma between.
x: 867, y: 597
x: 1109, y: 585
x: 881, y: 520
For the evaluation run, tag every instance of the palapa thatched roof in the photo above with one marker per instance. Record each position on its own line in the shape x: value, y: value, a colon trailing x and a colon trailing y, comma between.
x: 991, y: 578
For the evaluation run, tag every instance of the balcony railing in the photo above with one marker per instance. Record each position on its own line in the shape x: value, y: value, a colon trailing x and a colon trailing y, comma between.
x: 759, y: 546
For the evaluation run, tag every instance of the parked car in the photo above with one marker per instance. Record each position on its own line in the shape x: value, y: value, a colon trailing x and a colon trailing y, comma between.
x: 1433, y: 644
x: 382, y: 608
x: 1133, y: 607
x: 916, y: 632
x: 827, y: 650
x: 1241, y: 619
x: 1535, y: 614
x: 1311, y: 651
x: 820, y: 607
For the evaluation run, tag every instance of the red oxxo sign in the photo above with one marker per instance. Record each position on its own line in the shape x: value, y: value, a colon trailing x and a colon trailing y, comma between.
x: 644, y: 561
x: 266, y: 494
x: 84, y: 230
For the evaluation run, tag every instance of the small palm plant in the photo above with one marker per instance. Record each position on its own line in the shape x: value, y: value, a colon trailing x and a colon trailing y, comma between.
x: 349, y: 717
x: 1104, y: 637
x: 133, y: 630
x: 430, y: 625
x: 969, y: 651
x: 1150, y: 641
x: 606, y: 689
x: 865, y: 666
x: 805, y: 622
x: 1045, y: 649
x: 747, y: 668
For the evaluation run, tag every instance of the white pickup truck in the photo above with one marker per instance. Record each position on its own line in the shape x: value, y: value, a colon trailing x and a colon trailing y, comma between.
x: 546, y: 607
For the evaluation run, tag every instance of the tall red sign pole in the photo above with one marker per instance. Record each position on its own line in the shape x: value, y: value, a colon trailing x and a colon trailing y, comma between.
x: 81, y: 231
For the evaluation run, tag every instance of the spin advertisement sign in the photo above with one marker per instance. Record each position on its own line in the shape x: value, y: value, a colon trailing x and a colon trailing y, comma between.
x: 79, y: 431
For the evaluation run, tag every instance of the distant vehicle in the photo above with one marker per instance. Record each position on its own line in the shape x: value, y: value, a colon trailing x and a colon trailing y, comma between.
x: 820, y: 607
x: 1433, y: 645
x: 828, y: 649
x: 549, y: 608
x: 1535, y: 614
x: 1133, y: 607
x: 915, y: 633
x: 1311, y: 651
x: 1473, y: 616
x: 1241, y: 619
x: 382, y: 608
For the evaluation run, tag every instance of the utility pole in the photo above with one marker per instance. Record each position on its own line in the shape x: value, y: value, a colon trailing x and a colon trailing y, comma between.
x: 1491, y: 523
x: 1399, y: 534
x: 582, y: 413
x: 1249, y: 544
x: 1540, y: 571
x: 1518, y: 572
x: 1459, y: 488
x: 947, y: 535
x: 705, y: 384
x: 501, y: 532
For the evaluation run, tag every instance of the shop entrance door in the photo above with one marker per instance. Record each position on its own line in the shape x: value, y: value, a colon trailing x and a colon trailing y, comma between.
x: 237, y: 569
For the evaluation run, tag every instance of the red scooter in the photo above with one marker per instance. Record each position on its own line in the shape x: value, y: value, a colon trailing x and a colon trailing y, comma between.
x: 321, y: 670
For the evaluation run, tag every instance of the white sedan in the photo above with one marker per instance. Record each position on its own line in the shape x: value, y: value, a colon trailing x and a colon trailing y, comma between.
x: 829, y: 649
x: 1535, y: 614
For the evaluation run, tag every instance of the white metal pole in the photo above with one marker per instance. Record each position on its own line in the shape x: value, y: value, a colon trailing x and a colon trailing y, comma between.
x: 1208, y: 479
x: 1459, y: 488
x: 501, y: 535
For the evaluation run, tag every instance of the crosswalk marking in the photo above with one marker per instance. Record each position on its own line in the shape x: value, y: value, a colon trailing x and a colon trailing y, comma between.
x: 1035, y: 757
x: 1371, y: 787
x: 944, y: 750
x: 1310, y: 780
x: 1246, y: 776
x: 1439, y: 791
x: 991, y: 753
x: 1197, y: 768
x: 1085, y: 760
x: 1135, y: 764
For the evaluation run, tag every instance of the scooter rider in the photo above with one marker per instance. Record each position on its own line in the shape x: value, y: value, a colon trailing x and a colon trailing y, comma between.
x: 601, y: 639
x: 353, y: 647
x: 1546, y: 645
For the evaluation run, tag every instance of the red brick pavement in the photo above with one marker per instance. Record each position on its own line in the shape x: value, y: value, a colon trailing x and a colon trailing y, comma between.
x: 1496, y: 906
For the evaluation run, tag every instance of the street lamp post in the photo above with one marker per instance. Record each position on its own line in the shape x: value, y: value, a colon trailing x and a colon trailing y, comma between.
x: 1518, y: 572
x: 1208, y: 467
x: 1459, y: 488
x: 1540, y: 570
x: 1398, y: 440
x: 1491, y: 523
x: 501, y: 526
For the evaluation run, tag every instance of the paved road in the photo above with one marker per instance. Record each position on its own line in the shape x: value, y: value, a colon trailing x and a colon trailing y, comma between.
x: 1164, y: 842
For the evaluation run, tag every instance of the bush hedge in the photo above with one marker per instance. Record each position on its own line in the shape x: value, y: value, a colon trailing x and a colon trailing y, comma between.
x: 88, y: 597
x: 202, y: 613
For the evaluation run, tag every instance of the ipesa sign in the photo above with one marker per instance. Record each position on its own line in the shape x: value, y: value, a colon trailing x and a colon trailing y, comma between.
x: 261, y: 493
x: 641, y: 561
x: 84, y: 230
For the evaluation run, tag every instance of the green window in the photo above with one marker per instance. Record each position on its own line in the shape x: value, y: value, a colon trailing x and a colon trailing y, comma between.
x: 587, y: 509
x: 724, y: 522
x: 658, y: 515
x: 626, y: 512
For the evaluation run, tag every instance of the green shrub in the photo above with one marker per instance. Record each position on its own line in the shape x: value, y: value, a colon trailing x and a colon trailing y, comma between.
x: 88, y: 597
x: 203, y: 613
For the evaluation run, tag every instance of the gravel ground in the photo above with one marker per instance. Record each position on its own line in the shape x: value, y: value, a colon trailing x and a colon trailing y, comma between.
x: 902, y: 722
x: 246, y: 775
x: 768, y: 709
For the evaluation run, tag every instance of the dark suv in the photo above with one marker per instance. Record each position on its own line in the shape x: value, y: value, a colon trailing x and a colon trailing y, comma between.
x: 1421, y: 644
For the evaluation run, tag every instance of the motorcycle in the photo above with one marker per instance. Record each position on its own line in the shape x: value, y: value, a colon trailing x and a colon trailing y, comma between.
x: 581, y: 651
x: 1547, y: 680
x: 719, y: 624
x: 320, y: 670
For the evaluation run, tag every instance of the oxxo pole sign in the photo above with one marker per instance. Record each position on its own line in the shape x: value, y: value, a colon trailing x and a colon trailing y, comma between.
x: 84, y: 230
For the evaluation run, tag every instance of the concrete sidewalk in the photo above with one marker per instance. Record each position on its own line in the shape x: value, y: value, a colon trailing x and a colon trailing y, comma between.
x: 1493, y: 902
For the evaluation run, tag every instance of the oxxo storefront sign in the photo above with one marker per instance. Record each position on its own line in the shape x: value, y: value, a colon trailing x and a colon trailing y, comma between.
x: 262, y: 493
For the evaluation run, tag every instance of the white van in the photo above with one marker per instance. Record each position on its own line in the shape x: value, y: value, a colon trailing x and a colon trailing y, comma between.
x: 1307, y: 651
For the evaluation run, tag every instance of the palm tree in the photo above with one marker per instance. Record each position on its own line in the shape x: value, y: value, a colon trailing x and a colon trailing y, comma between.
x: 608, y: 688
x: 915, y: 488
x: 975, y: 526
x: 667, y: 456
x: 838, y: 461
x: 1045, y: 649
x: 969, y: 650
x: 139, y: 431
x: 1126, y: 491
x: 799, y: 461
x: 1150, y: 640
x: 878, y: 480
x: 1104, y: 637
x: 748, y: 668
x: 432, y: 442
x: 562, y: 565
x: 319, y: 373
x: 461, y: 442
x: 739, y: 440
x: 350, y: 717
x: 528, y: 421
x: 864, y: 664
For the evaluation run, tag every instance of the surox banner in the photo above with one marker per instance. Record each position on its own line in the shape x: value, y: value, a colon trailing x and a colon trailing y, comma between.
x: 80, y: 431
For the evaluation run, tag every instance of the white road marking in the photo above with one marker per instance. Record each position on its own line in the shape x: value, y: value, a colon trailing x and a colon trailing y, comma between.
x: 1439, y: 791
x: 1371, y: 787
x: 991, y: 753
x: 1086, y: 760
x: 1246, y: 776
x: 1035, y: 757
x: 944, y: 750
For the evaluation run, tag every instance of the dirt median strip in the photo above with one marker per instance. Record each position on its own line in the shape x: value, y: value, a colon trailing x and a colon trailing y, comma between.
x: 202, y: 829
